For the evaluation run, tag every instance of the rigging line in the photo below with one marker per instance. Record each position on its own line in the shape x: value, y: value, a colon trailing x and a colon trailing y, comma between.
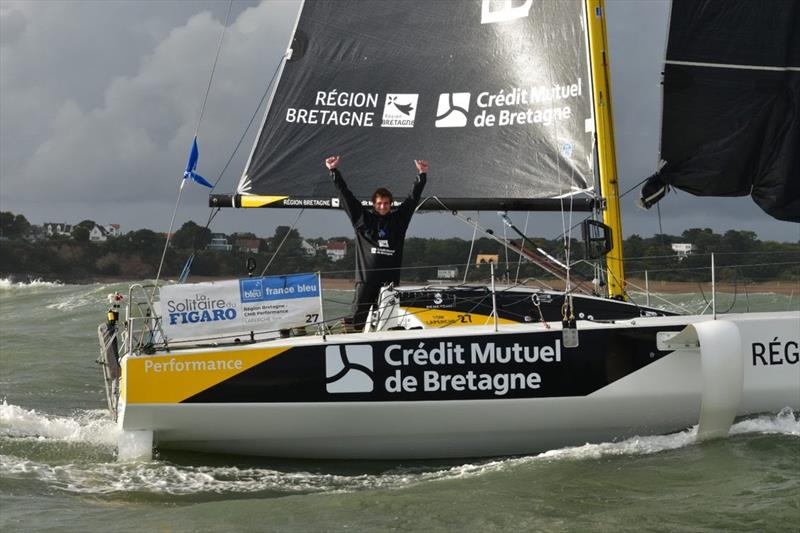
x: 274, y: 255
x: 250, y: 122
x: 624, y: 290
x: 566, y: 242
x: 471, y: 247
x: 215, y: 212
x: 519, y: 261
x: 491, y: 234
x: 559, y: 174
x: 505, y: 238
x: 685, y: 269
x: 169, y: 235
x: 558, y: 237
x: 196, y: 129
x: 213, y: 69
x: 634, y: 187
x: 699, y: 254
x: 590, y: 216
x: 735, y: 291
x: 187, y: 267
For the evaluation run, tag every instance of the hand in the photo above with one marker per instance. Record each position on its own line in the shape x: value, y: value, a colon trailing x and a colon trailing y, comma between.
x: 422, y: 166
x: 332, y: 162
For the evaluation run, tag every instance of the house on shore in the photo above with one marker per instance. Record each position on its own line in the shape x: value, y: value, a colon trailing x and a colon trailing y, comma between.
x: 52, y: 229
x: 100, y: 233
x: 219, y: 242
x: 336, y: 250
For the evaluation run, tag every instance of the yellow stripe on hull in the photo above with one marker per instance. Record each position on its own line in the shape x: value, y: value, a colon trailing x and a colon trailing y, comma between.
x: 173, y: 378
x: 440, y: 318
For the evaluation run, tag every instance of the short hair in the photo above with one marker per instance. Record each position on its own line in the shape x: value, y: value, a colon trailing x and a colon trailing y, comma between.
x: 383, y: 192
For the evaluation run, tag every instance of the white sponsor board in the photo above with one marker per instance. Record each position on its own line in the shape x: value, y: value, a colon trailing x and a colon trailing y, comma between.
x: 239, y: 306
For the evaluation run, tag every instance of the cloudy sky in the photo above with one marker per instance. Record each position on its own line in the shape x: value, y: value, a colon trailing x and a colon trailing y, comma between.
x: 99, y: 102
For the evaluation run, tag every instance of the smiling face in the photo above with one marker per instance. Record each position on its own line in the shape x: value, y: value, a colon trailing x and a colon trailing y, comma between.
x: 382, y: 204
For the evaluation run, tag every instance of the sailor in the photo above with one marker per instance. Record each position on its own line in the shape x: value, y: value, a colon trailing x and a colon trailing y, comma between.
x: 380, y: 234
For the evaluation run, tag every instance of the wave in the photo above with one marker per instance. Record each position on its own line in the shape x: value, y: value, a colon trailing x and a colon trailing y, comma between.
x: 160, y: 477
x: 785, y: 422
x: 89, y: 426
x: 10, y: 284
x: 96, y: 296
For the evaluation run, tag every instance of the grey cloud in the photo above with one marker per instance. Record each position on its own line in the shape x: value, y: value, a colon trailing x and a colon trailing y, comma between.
x: 130, y: 140
x: 12, y: 26
x: 99, y: 101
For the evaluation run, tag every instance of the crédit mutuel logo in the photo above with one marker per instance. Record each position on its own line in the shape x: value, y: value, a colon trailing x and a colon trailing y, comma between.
x: 399, y: 110
x: 493, y: 11
x: 451, y: 112
x: 349, y: 369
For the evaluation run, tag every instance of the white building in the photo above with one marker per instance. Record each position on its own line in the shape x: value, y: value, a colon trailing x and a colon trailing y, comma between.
x: 57, y: 228
x: 446, y: 273
x: 100, y: 233
x: 682, y: 249
x: 336, y: 250
x: 308, y: 248
x: 219, y: 242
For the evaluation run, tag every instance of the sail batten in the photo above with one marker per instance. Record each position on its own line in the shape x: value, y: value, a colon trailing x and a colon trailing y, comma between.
x: 495, y: 95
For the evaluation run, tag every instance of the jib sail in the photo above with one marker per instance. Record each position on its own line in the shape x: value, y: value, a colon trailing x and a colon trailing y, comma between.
x: 731, y: 113
x: 497, y: 95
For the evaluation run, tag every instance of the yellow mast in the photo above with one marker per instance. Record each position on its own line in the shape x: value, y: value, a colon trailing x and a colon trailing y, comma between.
x: 609, y: 186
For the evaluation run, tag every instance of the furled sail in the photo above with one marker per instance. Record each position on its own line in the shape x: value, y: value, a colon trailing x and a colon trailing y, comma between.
x: 497, y: 95
x: 731, y: 116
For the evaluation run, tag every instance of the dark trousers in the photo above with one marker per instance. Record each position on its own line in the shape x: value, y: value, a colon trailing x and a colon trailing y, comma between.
x: 365, y: 297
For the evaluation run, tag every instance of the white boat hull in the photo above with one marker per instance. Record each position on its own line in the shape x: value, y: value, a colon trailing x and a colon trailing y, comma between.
x: 679, y: 388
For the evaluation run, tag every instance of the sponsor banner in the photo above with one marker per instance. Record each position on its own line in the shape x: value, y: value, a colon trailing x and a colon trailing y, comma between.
x: 521, y: 129
x: 485, y: 367
x: 233, y: 307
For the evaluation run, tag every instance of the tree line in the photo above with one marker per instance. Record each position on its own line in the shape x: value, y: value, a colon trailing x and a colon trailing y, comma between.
x: 739, y: 255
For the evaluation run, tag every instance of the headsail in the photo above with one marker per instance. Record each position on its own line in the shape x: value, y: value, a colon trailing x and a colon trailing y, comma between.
x: 497, y: 95
x: 731, y: 117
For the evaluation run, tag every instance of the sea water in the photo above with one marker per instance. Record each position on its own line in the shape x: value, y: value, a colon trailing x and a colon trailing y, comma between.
x: 59, y: 471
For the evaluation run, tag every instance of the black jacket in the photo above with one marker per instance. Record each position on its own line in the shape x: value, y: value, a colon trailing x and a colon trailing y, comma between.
x: 379, y: 239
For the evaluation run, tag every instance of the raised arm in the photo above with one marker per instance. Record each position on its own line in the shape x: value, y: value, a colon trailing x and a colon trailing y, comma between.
x: 410, y: 204
x: 351, y: 205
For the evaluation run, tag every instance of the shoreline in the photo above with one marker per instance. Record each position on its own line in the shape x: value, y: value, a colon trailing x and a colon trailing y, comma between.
x: 634, y: 285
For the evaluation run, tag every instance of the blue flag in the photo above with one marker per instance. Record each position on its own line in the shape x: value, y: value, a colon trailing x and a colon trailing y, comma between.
x: 191, y: 165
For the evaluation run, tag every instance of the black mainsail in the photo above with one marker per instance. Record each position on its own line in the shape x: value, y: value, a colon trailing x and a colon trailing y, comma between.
x: 496, y: 95
x: 731, y: 112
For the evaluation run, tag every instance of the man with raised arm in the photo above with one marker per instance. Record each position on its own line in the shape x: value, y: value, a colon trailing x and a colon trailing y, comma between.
x: 380, y: 234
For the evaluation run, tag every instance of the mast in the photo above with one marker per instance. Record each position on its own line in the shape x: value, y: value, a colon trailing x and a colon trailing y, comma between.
x: 606, y: 154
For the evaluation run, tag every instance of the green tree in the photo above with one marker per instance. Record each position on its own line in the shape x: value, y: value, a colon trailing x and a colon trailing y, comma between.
x: 145, y: 242
x: 80, y: 233
x: 88, y: 224
x: 13, y: 226
x: 191, y: 237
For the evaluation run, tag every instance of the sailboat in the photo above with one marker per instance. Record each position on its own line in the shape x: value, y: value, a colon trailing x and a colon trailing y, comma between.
x: 511, y: 103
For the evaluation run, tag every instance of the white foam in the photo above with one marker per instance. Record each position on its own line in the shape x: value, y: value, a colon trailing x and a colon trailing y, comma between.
x: 8, y: 284
x: 96, y: 296
x: 158, y: 477
x: 786, y: 422
x: 633, y: 446
x: 91, y: 426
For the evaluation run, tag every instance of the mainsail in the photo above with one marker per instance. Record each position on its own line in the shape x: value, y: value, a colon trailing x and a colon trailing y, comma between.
x: 497, y: 95
x: 731, y: 117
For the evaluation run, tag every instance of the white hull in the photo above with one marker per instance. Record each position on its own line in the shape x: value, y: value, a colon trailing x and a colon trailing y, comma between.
x: 712, y: 382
